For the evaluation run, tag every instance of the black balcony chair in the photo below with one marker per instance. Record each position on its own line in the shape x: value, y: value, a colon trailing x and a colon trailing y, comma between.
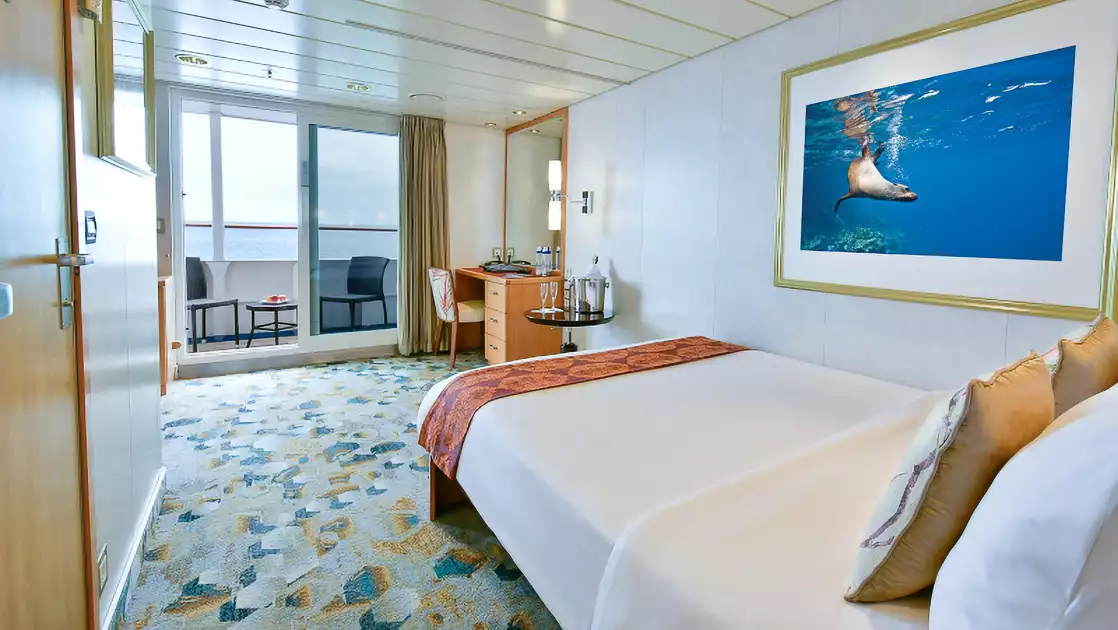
x: 197, y: 299
x: 364, y: 283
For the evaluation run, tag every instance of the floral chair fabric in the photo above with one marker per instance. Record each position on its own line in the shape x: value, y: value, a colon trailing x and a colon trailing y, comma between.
x: 443, y: 292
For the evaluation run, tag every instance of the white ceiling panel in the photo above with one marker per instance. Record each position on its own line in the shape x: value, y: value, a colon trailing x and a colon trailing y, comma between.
x: 310, y: 37
x: 486, y: 59
x: 398, y: 33
x: 371, y: 64
x: 732, y: 18
x: 625, y: 22
x: 793, y: 8
x: 488, y: 16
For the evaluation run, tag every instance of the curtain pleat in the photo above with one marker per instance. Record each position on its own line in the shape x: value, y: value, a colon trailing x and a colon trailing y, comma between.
x: 424, y: 232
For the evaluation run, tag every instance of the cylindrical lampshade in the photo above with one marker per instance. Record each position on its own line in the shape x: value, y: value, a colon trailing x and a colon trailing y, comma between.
x: 555, y: 175
x: 555, y: 215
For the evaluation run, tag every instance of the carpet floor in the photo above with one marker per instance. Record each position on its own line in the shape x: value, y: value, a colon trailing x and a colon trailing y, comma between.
x: 298, y: 499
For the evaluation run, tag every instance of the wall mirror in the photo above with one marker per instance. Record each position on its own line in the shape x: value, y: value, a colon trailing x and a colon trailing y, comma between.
x: 126, y: 87
x: 536, y: 187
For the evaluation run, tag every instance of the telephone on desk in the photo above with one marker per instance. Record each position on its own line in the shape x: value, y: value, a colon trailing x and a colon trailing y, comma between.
x: 496, y: 266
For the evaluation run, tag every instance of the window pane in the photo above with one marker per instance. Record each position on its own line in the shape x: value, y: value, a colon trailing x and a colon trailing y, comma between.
x: 197, y: 201
x: 260, y: 171
x: 358, y: 179
x: 358, y: 214
x: 261, y: 244
x: 260, y: 177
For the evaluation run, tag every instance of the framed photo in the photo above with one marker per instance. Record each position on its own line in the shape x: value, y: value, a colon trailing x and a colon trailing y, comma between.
x: 972, y: 164
x: 126, y: 87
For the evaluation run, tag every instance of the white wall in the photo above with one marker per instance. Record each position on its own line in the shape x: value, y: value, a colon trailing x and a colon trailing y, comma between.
x: 121, y: 330
x: 683, y: 165
x: 475, y: 173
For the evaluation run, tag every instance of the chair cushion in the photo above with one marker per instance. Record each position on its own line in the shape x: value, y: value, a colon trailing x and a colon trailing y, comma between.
x: 351, y: 297
x: 471, y: 312
x: 963, y: 444
x: 204, y: 304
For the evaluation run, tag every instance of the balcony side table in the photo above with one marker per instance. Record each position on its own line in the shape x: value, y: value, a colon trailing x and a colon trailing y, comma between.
x: 274, y: 326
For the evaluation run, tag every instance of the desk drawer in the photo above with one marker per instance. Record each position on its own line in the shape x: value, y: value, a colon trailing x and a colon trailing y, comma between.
x: 496, y: 297
x: 494, y: 350
x: 495, y: 324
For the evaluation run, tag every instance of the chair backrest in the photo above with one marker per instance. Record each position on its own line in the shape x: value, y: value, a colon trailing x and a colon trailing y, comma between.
x: 366, y: 275
x: 442, y: 289
x: 196, y: 288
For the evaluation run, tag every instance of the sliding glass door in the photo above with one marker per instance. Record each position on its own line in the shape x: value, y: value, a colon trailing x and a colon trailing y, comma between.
x: 285, y: 225
x: 350, y: 231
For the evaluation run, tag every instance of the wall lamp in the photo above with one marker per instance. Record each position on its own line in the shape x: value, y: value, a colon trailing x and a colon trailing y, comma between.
x: 555, y: 204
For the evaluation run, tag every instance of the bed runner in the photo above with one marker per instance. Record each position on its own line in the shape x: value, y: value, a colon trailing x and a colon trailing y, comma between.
x: 448, y: 421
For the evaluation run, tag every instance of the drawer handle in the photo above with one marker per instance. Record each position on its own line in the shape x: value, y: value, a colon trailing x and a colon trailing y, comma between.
x: 492, y: 347
x: 493, y: 319
x: 493, y: 293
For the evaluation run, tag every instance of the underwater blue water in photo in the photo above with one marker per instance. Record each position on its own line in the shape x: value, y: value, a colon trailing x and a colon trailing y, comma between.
x: 969, y: 164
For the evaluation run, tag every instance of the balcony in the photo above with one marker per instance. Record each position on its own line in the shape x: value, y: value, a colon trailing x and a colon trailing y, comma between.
x: 261, y: 262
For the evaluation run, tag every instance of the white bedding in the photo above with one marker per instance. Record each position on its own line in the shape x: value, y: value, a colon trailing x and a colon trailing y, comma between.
x: 770, y: 551
x: 554, y: 475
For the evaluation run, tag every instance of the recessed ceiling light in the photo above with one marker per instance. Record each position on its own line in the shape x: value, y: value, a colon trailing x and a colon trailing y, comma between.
x: 519, y: 112
x: 276, y: 4
x: 533, y: 131
x: 357, y: 87
x: 426, y: 97
x: 193, y: 60
x: 490, y: 124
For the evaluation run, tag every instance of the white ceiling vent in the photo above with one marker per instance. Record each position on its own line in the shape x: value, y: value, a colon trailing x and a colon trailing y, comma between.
x: 277, y: 4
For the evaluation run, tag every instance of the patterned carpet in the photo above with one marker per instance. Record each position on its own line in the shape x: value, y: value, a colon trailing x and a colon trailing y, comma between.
x: 298, y: 499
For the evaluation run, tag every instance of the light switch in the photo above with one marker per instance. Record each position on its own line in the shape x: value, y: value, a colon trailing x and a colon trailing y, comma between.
x: 5, y: 300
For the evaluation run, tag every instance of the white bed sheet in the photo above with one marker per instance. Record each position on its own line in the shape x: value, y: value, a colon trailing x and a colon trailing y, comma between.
x: 772, y: 550
x: 554, y: 475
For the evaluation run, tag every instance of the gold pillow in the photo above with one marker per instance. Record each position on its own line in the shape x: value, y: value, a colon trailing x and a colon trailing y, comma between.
x: 963, y: 444
x: 1085, y: 365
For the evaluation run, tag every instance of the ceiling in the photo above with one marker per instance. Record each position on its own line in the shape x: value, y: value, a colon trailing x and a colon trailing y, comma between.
x: 486, y: 58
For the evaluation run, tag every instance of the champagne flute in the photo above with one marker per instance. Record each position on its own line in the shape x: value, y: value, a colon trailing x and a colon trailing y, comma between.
x: 543, y: 297
x: 554, y: 294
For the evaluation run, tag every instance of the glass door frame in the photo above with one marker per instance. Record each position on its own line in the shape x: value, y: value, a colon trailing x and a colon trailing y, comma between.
x: 345, y: 121
x: 306, y: 114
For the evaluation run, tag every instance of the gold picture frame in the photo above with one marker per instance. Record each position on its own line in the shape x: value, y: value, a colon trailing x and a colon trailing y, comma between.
x: 1107, y: 292
x: 119, y: 142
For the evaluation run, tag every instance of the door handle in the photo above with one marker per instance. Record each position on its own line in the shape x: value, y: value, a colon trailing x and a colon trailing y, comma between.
x: 66, y: 264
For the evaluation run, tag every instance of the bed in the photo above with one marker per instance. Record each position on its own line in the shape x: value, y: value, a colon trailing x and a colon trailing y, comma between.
x: 554, y: 474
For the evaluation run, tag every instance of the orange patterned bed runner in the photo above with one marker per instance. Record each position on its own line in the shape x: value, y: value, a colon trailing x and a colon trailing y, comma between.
x: 449, y: 419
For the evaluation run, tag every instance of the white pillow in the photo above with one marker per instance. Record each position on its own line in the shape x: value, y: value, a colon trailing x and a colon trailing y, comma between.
x: 1041, y: 550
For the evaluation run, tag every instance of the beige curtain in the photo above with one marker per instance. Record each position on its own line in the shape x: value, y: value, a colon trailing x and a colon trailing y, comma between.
x: 424, y: 233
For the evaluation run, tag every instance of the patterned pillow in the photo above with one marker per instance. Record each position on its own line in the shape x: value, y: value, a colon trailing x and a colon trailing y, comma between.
x: 963, y: 444
x: 1084, y: 363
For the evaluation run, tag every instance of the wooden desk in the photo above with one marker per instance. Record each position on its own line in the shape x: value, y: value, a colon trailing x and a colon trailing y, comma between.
x: 506, y: 334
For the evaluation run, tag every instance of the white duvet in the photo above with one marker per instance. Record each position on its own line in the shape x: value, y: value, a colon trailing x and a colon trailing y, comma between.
x: 599, y: 490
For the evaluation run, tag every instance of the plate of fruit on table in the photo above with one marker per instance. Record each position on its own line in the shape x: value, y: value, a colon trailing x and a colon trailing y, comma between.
x: 275, y: 299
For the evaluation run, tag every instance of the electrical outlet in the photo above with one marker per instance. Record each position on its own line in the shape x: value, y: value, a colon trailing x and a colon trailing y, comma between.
x: 496, y: 253
x: 103, y: 568
x: 511, y: 254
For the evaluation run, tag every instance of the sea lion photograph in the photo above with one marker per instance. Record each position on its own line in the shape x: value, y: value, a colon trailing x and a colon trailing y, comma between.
x: 966, y: 164
x: 866, y: 181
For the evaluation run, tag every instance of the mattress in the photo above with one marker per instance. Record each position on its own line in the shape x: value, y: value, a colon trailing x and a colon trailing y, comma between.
x: 772, y: 550
x: 560, y: 474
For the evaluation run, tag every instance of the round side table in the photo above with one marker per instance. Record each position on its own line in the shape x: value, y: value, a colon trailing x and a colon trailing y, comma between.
x: 569, y: 320
x: 274, y: 326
